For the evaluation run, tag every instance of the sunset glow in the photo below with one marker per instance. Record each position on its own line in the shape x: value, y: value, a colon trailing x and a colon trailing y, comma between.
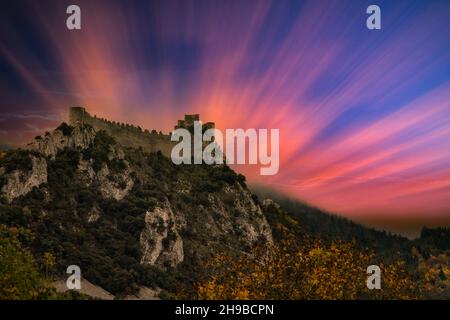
x: 364, y: 116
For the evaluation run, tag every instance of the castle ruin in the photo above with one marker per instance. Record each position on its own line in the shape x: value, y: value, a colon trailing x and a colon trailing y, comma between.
x: 133, y: 136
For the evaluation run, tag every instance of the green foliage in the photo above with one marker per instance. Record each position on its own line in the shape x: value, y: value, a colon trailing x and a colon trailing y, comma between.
x: 17, y: 160
x: 436, y: 237
x: 65, y: 129
x: 100, y: 149
x: 19, y: 274
x: 117, y: 165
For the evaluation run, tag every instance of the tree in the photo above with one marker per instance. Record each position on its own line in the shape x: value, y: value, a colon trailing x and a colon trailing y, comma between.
x: 19, y: 275
x: 49, y: 261
x: 307, y: 271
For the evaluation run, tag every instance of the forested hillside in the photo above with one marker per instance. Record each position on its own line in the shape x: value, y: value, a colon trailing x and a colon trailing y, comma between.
x: 134, y: 221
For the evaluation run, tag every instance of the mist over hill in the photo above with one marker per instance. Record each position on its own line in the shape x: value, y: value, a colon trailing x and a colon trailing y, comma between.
x: 323, y: 223
x: 328, y: 225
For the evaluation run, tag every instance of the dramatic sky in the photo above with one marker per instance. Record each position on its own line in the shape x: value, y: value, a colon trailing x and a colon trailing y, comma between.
x: 364, y: 116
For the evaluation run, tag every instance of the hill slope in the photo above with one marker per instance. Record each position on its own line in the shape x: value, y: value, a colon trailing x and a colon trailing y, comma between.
x: 133, y: 220
x: 126, y: 217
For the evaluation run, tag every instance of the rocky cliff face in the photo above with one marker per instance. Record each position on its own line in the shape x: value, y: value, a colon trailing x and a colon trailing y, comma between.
x: 121, y: 208
x: 79, y: 137
x: 19, y: 183
x: 112, y: 185
x: 160, y: 240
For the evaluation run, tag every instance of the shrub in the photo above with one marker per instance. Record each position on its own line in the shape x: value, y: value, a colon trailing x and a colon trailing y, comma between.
x: 65, y: 129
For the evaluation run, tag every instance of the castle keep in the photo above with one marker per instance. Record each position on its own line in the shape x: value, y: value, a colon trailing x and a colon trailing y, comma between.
x: 133, y: 136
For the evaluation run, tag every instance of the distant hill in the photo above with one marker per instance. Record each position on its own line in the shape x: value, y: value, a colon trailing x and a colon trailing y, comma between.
x: 4, y: 147
x: 329, y: 226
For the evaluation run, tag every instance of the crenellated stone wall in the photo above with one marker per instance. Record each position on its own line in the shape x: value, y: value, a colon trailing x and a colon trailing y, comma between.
x: 126, y: 134
x: 133, y: 136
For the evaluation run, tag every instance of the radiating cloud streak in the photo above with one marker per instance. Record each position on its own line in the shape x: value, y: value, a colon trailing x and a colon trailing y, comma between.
x: 364, y: 116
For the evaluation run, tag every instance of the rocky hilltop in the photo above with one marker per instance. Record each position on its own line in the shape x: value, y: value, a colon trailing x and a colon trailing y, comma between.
x: 126, y: 134
x: 122, y: 212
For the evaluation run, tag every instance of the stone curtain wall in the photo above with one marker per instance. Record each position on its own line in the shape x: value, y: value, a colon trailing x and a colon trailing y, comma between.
x: 127, y: 135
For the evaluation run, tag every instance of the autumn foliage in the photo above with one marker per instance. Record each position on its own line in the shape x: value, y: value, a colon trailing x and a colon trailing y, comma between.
x: 307, y: 270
